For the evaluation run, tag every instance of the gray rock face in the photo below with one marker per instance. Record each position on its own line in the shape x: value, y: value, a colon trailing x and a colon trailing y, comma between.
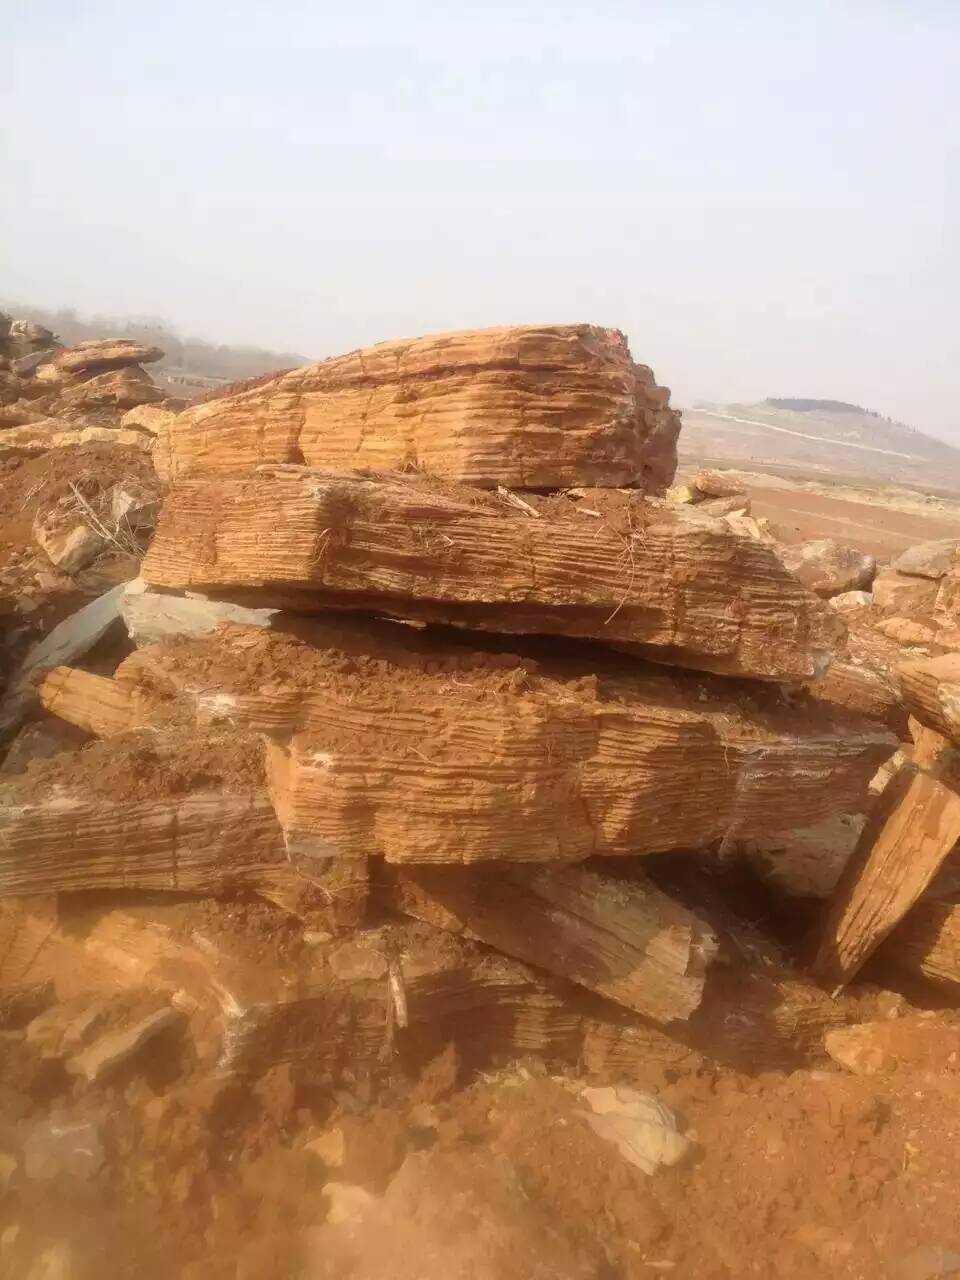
x: 151, y: 616
x: 928, y: 559
x: 69, y: 640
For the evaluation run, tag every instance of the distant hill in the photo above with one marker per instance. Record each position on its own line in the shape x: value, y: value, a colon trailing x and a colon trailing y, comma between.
x: 822, y: 406
x: 190, y: 365
x: 827, y: 439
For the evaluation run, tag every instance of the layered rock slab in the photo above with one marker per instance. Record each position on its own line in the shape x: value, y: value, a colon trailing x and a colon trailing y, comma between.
x: 540, y: 407
x: 157, y: 809
x: 626, y: 941
x: 387, y: 741
x: 680, y: 589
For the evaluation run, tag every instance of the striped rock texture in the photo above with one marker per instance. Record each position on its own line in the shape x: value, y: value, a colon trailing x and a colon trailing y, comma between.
x: 538, y: 407
x: 682, y: 589
x: 159, y: 809
x: 383, y: 741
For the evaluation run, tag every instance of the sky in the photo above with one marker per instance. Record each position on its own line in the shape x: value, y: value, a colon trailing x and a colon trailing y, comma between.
x: 758, y: 194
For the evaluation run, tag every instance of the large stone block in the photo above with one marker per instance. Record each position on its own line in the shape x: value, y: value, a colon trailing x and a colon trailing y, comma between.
x: 383, y: 742
x: 540, y: 407
x: 680, y: 588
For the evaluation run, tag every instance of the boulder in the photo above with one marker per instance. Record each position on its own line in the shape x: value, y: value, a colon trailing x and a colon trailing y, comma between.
x: 897, y: 593
x: 72, y: 548
x: 726, y: 506
x: 153, y: 418
x: 828, y: 568
x: 850, y: 601
x: 928, y: 559
x: 115, y: 388
x: 806, y: 862
x: 625, y: 940
x: 906, y: 631
x: 717, y: 484
x: 538, y: 407
x: 673, y: 584
x: 105, y: 353
x: 922, y: 1042
x: 931, y: 692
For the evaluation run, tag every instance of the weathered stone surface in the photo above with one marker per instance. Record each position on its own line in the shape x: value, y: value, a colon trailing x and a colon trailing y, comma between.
x: 626, y: 940
x: 850, y: 601
x: 927, y: 942
x: 928, y: 559
x: 717, y: 484
x: 918, y: 1043
x: 150, y: 616
x: 148, y: 417
x: 329, y: 1008
x: 914, y: 825
x: 94, y: 703
x: 828, y: 568
x: 205, y: 842
x: 680, y: 590
x: 115, y: 1048
x: 899, y: 594
x: 105, y: 353
x: 947, y: 603
x: 116, y: 388
x: 931, y: 692
x: 55, y: 433
x: 70, y: 549
x: 739, y: 503
x: 541, y: 407
x: 384, y: 743
x: 907, y: 632
x: 808, y: 861
x: 69, y: 639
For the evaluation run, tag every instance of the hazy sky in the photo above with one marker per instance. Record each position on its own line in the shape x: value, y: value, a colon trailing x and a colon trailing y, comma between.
x: 758, y: 194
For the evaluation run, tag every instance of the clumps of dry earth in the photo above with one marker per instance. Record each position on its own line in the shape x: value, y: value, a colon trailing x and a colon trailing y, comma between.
x: 430, y: 848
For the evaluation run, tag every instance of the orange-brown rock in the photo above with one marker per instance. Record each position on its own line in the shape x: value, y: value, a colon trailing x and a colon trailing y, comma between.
x: 159, y: 810
x: 911, y: 830
x: 57, y: 433
x: 386, y: 742
x: 94, y: 703
x: 917, y: 1043
x: 927, y: 942
x: 625, y: 940
x: 680, y: 588
x: 898, y: 593
x: 105, y: 353
x: 257, y: 996
x: 113, y: 389
x: 537, y: 407
x: 931, y: 692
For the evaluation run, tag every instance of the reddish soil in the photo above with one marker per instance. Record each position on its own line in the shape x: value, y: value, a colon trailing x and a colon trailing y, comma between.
x: 878, y: 530
x: 809, y: 1176
x: 29, y: 485
x: 146, y: 765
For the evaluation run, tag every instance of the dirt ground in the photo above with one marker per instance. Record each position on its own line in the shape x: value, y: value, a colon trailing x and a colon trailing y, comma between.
x: 881, y: 522
x: 809, y: 1175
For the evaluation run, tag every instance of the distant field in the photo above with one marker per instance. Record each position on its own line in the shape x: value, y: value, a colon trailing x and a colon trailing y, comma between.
x: 848, y: 447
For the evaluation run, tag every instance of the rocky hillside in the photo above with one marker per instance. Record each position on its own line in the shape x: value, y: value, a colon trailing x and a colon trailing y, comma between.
x: 819, y: 437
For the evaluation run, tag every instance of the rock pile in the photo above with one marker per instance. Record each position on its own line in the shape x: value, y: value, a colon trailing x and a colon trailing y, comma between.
x: 423, y: 664
x: 394, y: 734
